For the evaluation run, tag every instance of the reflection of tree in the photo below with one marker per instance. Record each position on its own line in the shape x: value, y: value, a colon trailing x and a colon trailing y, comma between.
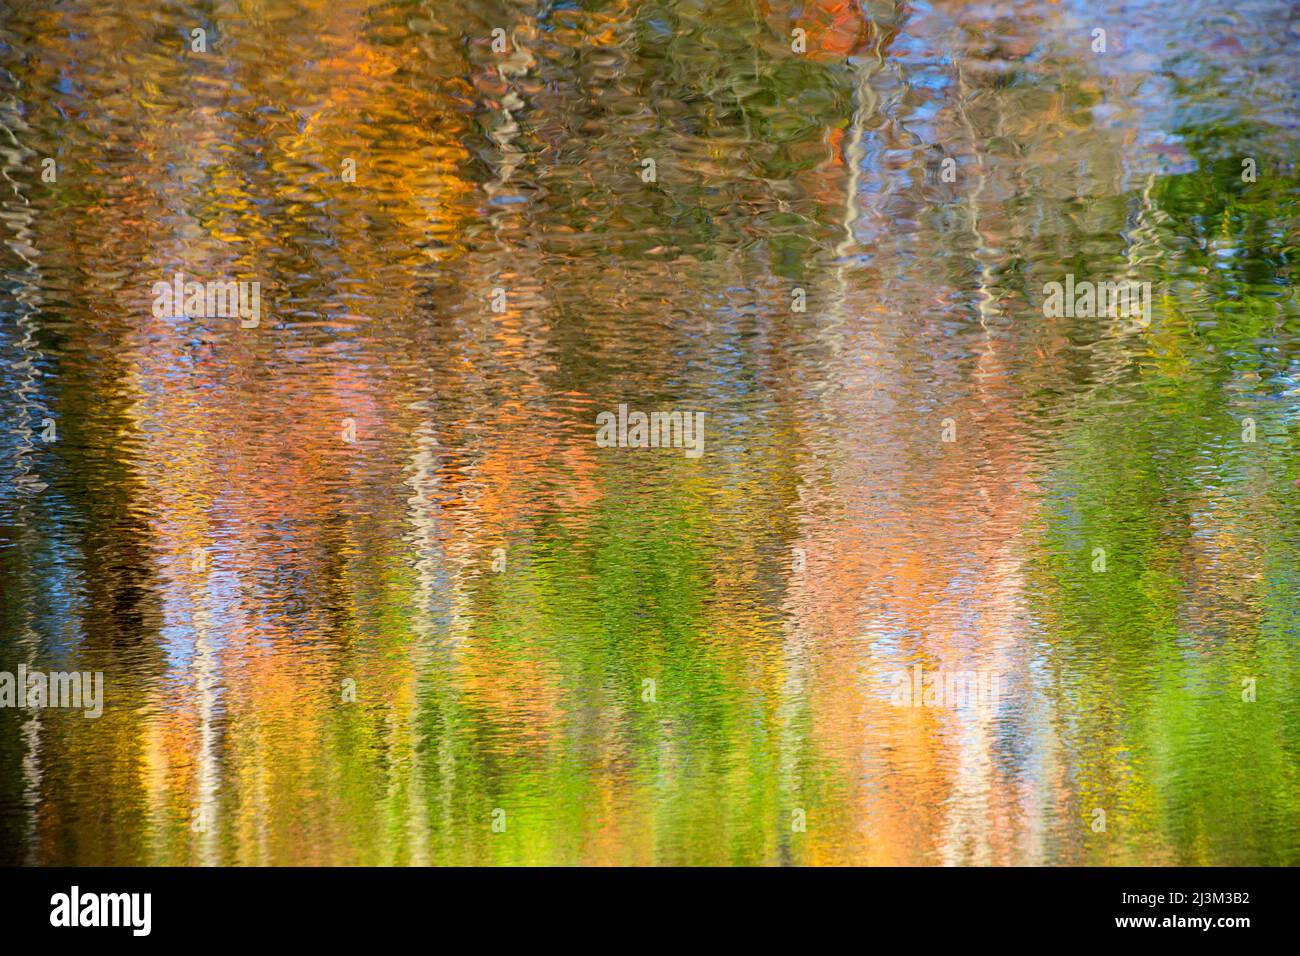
x: 523, y: 690
x: 1195, y: 597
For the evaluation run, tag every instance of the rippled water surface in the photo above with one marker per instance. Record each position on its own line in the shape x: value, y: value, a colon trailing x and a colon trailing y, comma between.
x: 363, y: 584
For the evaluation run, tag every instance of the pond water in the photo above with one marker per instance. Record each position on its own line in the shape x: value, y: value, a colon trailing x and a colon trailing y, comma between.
x: 924, y: 570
